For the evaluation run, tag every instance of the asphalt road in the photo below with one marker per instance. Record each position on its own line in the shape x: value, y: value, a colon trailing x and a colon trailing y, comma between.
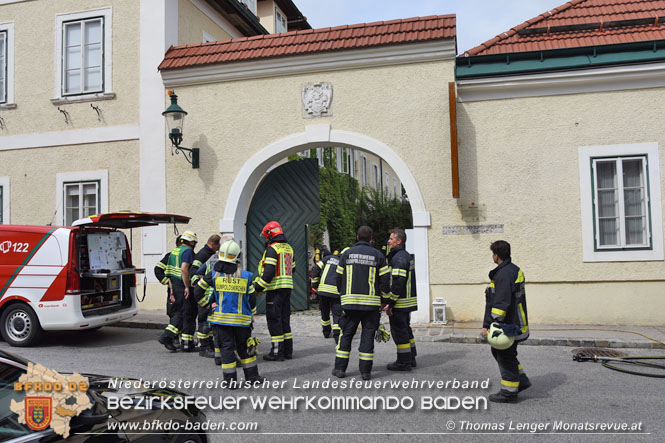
x: 563, y: 393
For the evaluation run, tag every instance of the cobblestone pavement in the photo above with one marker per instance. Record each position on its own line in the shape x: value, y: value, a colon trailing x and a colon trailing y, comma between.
x: 307, y: 324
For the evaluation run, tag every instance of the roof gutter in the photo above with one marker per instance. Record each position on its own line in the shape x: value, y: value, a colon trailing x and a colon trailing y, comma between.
x: 559, y: 59
x: 249, y: 17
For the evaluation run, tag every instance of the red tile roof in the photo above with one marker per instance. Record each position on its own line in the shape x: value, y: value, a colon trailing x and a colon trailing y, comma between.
x: 417, y: 29
x: 581, y: 23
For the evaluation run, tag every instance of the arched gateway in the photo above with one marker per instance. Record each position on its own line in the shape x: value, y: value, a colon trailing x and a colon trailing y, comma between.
x: 253, y: 102
x: 250, y: 174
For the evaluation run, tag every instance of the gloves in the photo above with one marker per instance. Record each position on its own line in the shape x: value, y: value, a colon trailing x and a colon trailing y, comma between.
x: 252, y: 345
x: 382, y: 335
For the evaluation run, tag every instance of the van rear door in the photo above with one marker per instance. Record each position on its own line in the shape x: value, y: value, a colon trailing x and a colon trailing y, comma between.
x: 107, y: 276
x: 128, y: 220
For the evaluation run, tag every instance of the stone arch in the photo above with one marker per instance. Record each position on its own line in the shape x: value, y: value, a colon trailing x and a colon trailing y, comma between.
x: 251, y: 173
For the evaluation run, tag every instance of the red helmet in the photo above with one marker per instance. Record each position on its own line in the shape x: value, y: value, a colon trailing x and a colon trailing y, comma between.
x: 271, y: 229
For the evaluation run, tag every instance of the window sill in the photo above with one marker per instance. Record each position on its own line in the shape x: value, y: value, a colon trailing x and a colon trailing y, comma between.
x: 83, y: 98
x: 4, y: 106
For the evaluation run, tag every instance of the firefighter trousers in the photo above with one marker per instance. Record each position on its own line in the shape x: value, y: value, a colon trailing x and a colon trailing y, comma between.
x: 169, y: 304
x: 232, y: 339
x: 400, y: 329
x: 326, y: 305
x: 177, y: 316
x: 189, y: 321
x: 278, y: 315
x: 203, y: 329
x: 511, y: 369
x: 349, y: 323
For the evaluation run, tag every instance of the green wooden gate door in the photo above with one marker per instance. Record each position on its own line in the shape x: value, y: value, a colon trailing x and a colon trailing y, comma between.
x: 289, y: 194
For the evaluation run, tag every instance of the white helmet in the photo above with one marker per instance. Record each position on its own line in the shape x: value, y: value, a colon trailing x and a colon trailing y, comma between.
x: 189, y: 236
x: 498, y: 339
x: 229, y: 252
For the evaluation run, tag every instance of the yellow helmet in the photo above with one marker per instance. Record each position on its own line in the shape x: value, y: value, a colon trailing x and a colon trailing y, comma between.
x: 498, y: 339
x: 229, y: 252
x: 189, y: 236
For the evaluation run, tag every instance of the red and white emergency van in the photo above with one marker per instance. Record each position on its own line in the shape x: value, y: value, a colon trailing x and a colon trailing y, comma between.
x: 70, y: 277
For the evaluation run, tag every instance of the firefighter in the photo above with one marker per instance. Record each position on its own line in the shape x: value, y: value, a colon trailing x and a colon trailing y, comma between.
x: 178, y: 272
x: 325, y: 282
x: 402, y: 301
x: 231, y: 301
x: 276, y: 278
x: 195, y: 312
x: 362, y: 276
x: 160, y: 274
x: 505, y: 309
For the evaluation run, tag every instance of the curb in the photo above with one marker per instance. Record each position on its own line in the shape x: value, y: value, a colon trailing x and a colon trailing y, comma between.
x: 465, y: 339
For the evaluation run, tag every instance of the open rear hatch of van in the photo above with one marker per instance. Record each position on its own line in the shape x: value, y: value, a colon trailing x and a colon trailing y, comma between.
x: 128, y: 220
x: 105, y: 270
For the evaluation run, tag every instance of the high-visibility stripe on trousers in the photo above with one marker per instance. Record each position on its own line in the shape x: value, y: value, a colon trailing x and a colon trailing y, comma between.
x: 233, y: 339
x: 278, y: 316
x: 349, y: 323
x: 509, y: 367
x: 402, y: 335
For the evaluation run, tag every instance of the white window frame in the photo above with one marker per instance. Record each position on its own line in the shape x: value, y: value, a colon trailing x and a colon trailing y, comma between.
x: 395, y: 188
x: 620, y: 203
x: 365, y: 172
x: 4, y: 184
x: 279, y: 14
x: 107, y: 53
x: 319, y: 156
x: 8, y: 28
x: 590, y: 252
x: 102, y: 176
x: 377, y: 176
x: 386, y: 183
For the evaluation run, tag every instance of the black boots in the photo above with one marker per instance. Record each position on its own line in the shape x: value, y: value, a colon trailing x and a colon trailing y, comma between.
x: 274, y: 357
x: 503, y: 397
x: 399, y: 366
x: 167, y: 342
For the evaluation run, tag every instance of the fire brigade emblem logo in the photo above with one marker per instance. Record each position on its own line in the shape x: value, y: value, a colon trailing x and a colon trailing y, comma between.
x: 4, y: 246
x: 316, y: 99
x: 38, y: 412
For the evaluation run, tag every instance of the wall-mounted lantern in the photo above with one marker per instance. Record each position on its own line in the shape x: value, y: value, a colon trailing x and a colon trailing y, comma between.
x: 175, y: 119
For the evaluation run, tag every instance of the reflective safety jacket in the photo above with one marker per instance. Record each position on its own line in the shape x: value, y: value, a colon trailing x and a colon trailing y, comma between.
x: 203, y: 298
x: 505, y: 300
x: 234, y: 295
x: 362, y: 276
x: 160, y: 269
x: 402, y: 280
x: 276, y: 267
x: 200, y: 258
x: 176, y: 258
x: 324, y: 277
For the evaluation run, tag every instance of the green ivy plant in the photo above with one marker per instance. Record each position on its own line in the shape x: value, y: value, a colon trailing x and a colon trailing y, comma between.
x: 345, y: 206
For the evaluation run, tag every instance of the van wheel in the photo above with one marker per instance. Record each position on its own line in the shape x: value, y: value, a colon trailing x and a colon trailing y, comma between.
x: 20, y: 325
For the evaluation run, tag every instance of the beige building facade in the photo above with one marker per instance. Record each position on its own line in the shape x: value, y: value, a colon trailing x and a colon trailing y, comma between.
x: 529, y: 149
x: 81, y: 125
